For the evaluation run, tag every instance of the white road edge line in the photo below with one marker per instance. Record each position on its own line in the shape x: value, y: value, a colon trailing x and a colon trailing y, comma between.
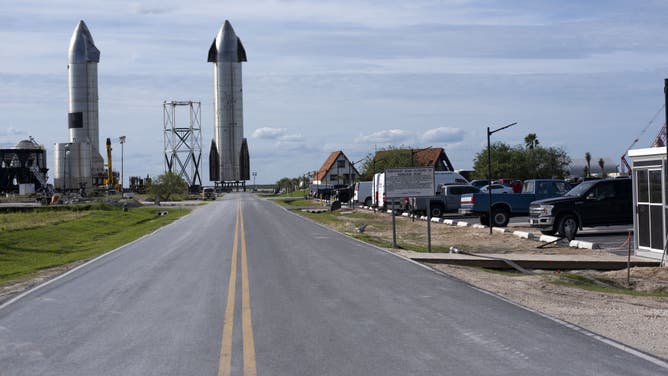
x: 650, y: 358
x: 52, y: 280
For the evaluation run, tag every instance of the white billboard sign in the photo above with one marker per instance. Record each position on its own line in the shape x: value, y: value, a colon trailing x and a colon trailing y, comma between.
x: 409, y: 182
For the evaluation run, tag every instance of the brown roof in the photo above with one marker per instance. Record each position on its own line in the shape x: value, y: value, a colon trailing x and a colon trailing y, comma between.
x: 327, y: 165
x: 422, y: 158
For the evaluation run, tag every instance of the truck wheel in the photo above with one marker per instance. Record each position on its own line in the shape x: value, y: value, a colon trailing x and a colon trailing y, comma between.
x: 367, y: 202
x: 501, y: 217
x: 484, y: 219
x: 568, y: 226
x: 436, y: 211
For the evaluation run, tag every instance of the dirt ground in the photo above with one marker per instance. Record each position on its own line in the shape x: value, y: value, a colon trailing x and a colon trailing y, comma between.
x: 637, y: 321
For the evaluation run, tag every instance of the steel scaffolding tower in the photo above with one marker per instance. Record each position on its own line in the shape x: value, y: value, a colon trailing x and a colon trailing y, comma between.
x: 183, y: 144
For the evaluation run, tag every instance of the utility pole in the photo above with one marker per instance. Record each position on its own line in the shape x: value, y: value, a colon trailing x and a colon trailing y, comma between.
x: 122, y: 141
x: 489, y: 173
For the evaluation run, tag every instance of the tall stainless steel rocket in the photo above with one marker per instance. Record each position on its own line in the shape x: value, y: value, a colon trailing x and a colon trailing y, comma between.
x: 228, y: 157
x: 79, y: 161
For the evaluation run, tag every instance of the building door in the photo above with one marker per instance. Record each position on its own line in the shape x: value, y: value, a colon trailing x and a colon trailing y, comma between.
x: 649, y: 208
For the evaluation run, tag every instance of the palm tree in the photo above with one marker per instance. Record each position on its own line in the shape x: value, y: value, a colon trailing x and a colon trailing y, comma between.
x: 588, y: 159
x: 531, y: 141
x: 601, y: 164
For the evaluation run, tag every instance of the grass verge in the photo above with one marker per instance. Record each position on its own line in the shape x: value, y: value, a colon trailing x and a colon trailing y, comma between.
x: 46, y: 239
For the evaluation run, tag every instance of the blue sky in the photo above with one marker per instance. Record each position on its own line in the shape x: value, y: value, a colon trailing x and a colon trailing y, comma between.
x: 349, y: 75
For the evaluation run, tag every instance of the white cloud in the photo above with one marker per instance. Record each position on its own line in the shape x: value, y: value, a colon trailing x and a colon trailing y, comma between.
x: 11, y: 131
x: 267, y: 133
x: 390, y: 136
x: 443, y: 135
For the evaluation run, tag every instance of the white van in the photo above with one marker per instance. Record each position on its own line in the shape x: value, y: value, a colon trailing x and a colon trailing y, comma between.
x: 363, y: 192
x: 376, y: 188
x: 380, y: 191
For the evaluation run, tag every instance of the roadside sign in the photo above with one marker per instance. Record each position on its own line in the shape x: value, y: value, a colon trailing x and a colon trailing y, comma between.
x: 409, y: 182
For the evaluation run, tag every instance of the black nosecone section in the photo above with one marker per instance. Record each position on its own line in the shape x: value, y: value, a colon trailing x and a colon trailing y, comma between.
x: 244, y: 162
x: 213, y: 53
x: 214, y: 164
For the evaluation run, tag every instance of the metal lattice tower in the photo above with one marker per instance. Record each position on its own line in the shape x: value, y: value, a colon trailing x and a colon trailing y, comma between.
x: 183, y: 143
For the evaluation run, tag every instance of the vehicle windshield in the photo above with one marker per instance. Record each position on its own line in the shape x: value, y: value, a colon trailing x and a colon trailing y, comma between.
x: 581, y: 188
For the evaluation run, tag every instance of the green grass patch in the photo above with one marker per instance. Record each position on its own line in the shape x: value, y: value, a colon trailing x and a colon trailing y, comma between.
x: 299, y: 194
x: 29, y: 220
x: 581, y: 281
x: 327, y: 218
x: 55, y: 238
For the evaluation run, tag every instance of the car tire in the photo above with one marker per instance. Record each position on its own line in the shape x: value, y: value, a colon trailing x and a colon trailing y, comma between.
x: 436, y: 211
x: 484, y: 219
x: 367, y: 202
x: 568, y: 226
x: 501, y: 217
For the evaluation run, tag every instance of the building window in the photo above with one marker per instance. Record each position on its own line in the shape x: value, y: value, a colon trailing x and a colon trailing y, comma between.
x: 333, y: 177
x: 341, y: 163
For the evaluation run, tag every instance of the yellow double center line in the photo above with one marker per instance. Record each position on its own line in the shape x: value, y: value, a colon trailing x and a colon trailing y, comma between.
x: 225, y: 364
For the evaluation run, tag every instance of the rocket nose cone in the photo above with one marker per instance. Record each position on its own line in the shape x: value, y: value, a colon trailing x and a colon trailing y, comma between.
x: 228, y: 46
x: 82, y: 47
x: 227, y: 27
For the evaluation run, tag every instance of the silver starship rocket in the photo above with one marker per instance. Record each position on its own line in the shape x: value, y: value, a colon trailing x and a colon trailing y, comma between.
x: 228, y: 157
x: 79, y: 161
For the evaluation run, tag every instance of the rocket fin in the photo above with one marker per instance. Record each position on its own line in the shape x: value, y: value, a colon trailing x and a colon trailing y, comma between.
x: 214, y: 163
x: 244, y: 162
x: 213, y: 53
x: 241, y: 51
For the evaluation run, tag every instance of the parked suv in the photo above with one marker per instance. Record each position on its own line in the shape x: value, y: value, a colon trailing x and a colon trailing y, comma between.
x: 208, y: 193
x: 447, y: 199
x: 592, y: 203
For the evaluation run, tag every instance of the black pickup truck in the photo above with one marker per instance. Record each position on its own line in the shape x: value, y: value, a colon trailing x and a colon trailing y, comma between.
x: 603, y: 202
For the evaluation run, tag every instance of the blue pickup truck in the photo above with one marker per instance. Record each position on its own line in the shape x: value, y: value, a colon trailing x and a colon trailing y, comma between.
x: 507, y: 205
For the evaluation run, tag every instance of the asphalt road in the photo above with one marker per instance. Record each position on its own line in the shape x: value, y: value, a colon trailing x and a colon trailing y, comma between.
x: 241, y: 286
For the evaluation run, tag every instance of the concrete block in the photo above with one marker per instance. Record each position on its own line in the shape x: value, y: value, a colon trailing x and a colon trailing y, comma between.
x: 449, y: 222
x: 478, y: 225
x: 583, y: 245
x: 523, y: 234
x: 499, y: 230
x: 404, y: 214
x: 436, y: 219
x: 548, y: 238
x: 462, y: 224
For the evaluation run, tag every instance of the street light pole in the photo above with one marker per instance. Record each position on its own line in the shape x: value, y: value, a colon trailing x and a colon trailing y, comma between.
x: 67, y: 167
x: 489, y: 173
x: 254, y: 175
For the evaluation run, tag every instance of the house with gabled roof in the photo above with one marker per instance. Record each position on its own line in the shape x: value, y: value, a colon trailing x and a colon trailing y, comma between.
x: 337, y: 169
